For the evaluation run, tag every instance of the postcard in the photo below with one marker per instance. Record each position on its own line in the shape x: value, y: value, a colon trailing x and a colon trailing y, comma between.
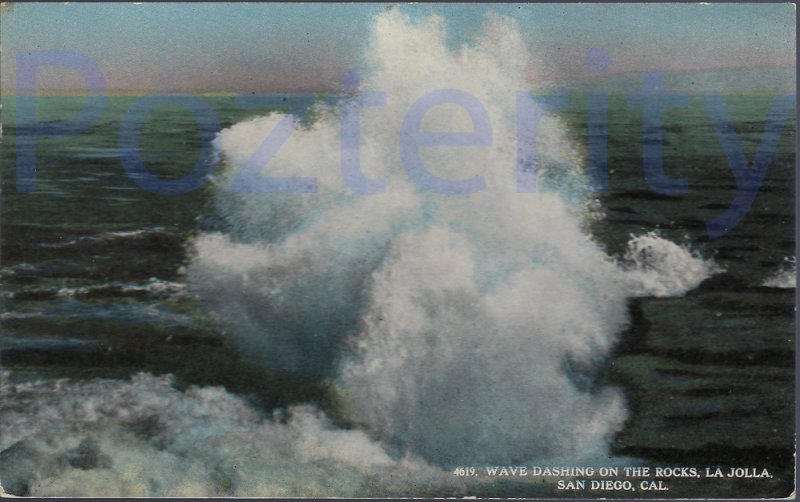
x: 398, y: 250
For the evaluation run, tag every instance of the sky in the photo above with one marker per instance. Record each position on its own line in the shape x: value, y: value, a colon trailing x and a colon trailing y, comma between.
x: 239, y: 47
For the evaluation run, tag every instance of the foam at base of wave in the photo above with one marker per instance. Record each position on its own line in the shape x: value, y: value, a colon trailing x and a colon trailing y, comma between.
x: 145, y: 438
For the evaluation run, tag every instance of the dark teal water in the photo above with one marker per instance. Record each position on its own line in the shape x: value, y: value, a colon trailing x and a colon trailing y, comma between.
x: 92, y: 282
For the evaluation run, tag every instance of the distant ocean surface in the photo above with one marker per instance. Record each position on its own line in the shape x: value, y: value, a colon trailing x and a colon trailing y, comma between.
x: 103, y: 281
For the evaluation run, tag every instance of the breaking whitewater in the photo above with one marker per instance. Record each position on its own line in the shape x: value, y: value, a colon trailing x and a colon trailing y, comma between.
x: 455, y: 330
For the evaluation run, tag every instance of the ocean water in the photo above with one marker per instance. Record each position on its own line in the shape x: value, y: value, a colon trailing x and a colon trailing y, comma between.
x: 330, y: 344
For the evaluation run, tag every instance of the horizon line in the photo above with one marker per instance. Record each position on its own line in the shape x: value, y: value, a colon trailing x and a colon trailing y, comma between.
x: 327, y: 91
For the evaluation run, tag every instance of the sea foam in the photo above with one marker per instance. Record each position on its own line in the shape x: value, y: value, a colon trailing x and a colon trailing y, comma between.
x: 784, y: 277
x: 145, y: 438
x: 658, y: 267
